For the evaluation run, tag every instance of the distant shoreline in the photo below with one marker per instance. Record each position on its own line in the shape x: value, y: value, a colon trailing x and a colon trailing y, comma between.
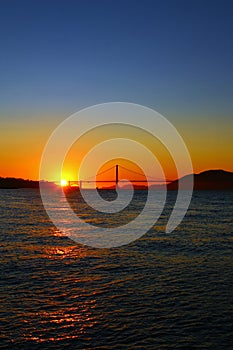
x: 207, y: 180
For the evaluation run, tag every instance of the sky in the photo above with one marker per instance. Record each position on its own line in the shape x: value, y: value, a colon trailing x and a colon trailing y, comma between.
x: 57, y: 57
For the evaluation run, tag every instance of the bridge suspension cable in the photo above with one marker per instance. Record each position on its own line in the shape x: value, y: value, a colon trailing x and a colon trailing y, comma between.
x: 141, y: 174
x: 149, y: 179
x: 101, y: 173
x: 131, y: 171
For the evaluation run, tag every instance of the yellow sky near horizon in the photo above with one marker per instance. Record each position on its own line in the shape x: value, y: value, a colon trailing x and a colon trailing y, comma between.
x: 22, y: 144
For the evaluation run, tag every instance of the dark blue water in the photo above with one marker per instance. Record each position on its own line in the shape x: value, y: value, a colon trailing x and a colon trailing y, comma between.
x: 163, y: 291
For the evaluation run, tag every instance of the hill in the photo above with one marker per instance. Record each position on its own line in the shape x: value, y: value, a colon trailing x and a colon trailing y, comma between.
x: 11, y: 182
x: 14, y: 183
x: 207, y: 180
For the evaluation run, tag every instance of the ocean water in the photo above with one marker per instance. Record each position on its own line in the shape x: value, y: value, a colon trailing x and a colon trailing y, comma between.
x: 163, y: 291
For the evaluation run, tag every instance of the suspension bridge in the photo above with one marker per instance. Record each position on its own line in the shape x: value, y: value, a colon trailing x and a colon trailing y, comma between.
x: 117, y: 169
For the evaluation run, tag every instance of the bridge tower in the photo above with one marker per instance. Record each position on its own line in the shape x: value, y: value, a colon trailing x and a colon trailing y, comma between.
x: 117, y: 178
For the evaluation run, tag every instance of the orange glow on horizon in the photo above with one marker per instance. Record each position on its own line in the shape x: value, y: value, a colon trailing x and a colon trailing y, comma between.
x: 21, y: 148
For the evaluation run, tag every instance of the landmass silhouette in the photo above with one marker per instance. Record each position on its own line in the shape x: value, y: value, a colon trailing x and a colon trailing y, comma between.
x: 16, y: 183
x: 206, y: 180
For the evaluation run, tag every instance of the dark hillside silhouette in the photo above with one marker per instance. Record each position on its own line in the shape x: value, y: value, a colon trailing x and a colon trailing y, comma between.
x: 207, y: 180
x: 14, y: 183
x: 11, y: 182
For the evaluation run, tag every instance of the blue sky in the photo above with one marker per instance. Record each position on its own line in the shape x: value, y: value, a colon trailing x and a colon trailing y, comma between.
x: 60, y: 56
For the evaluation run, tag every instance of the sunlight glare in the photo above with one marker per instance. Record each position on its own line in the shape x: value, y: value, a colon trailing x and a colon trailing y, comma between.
x: 64, y: 183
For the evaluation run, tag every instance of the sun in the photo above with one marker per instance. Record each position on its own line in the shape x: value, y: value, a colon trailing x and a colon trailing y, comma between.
x: 63, y: 182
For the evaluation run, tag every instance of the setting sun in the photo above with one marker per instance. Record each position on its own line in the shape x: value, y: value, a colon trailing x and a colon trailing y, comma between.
x: 64, y: 183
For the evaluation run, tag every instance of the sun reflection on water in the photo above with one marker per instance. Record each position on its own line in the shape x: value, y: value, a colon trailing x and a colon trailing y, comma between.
x: 72, y: 322
x: 63, y: 252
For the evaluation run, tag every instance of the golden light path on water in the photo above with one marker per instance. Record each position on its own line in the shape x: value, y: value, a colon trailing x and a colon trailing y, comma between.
x: 58, y: 294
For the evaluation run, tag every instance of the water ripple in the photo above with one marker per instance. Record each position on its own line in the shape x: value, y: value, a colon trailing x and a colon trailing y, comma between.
x: 161, y: 292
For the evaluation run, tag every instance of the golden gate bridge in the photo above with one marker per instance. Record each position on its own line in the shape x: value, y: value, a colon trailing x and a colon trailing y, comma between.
x: 96, y: 179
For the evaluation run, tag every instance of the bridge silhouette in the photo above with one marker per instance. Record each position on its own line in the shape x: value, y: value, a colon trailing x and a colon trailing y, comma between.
x: 96, y: 179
